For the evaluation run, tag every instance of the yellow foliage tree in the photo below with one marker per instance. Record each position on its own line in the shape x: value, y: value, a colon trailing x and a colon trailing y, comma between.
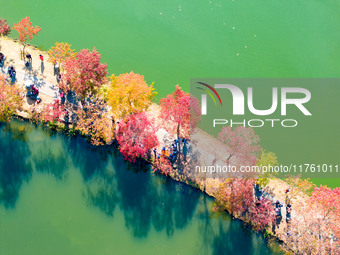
x: 60, y: 52
x: 129, y: 93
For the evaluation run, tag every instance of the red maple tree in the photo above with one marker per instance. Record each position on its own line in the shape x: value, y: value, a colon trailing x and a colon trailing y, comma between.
x: 236, y: 196
x: 84, y: 73
x: 180, y: 111
x: 315, y: 223
x: 262, y: 214
x: 53, y: 111
x: 242, y: 144
x: 136, y: 136
x: 5, y: 29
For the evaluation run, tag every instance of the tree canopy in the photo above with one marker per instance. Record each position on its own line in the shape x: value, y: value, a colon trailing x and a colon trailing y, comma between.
x: 180, y: 112
x: 10, y: 100
x: 129, y: 93
x: 26, y: 30
x: 5, y: 29
x: 84, y: 73
x: 60, y: 52
x: 136, y: 136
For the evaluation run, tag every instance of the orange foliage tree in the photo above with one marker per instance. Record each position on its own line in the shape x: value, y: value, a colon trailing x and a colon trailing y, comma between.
x: 163, y: 165
x: 26, y: 30
x: 10, y: 100
x: 180, y: 111
x: 129, y: 93
x: 94, y: 123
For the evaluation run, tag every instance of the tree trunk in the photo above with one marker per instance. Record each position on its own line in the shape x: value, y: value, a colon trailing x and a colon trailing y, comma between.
x: 177, y: 130
x: 23, y: 52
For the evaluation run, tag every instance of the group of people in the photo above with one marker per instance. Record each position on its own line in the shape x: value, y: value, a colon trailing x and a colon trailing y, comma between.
x: 10, y: 70
x: 278, y: 214
x: 176, y: 147
x: 12, y: 73
x: 288, y: 206
x: 33, y: 92
x: 260, y: 195
x: 29, y: 59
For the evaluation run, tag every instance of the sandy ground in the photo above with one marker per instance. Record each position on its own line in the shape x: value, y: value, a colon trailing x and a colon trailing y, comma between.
x: 13, y: 53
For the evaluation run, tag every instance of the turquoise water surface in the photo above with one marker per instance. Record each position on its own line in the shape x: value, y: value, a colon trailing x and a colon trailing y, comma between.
x: 59, y: 195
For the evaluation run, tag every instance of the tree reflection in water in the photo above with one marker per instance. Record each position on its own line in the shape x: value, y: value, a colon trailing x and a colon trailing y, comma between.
x: 15, y: 166
x: 147, y: 201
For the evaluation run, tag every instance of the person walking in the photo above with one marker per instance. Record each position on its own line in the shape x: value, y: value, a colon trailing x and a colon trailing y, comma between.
x: 29, y: 57
x: 155, y: 153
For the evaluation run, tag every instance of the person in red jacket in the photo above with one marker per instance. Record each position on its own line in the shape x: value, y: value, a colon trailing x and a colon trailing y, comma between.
x: 41, y: 58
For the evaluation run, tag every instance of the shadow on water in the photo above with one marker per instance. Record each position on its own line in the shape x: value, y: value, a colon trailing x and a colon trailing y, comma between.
x: 145, y: 201
x: 48, y: 161
x: 90, y: 159
x: 223, y: 235
x: 176, y: 205
x: 227, y: 240
x: 15, y: 167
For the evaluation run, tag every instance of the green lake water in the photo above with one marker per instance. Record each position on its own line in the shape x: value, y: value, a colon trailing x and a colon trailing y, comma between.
x: 171, y: 42
x: 59, y: 195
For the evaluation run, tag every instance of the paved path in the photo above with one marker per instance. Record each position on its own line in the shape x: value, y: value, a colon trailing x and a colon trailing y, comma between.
x: 44, y: 87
